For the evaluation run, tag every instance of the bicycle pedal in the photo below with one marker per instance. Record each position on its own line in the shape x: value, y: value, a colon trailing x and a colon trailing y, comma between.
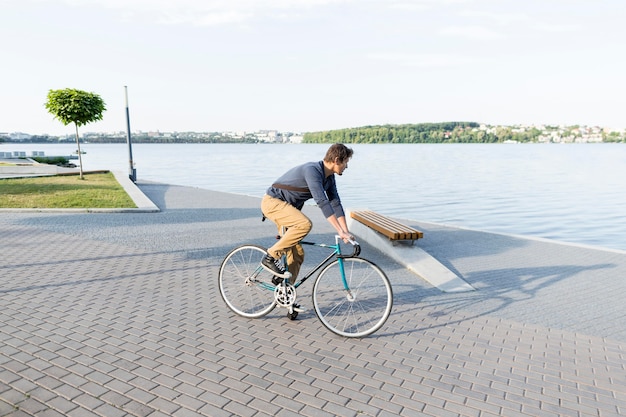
x: 298, y: 308
x: 277, y: 280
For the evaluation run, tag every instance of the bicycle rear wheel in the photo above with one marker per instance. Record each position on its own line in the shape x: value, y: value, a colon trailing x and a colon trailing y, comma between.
x: 244, y: 285
x: 361, y: 311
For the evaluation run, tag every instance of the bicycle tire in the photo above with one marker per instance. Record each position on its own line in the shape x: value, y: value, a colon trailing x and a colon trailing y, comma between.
x: 363, y: 313
x: 244, y: 286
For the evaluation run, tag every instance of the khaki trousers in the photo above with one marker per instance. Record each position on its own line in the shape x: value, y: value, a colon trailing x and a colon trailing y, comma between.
x: 284, y: 215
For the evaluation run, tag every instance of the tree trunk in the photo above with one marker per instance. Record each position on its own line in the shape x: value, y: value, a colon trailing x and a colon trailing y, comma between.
x: 80, y: 155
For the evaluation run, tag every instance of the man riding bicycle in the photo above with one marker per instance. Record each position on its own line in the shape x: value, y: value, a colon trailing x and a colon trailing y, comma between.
x: 284, y: 200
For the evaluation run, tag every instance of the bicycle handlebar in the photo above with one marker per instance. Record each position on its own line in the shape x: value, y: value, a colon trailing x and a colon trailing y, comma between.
x: 356, y: 248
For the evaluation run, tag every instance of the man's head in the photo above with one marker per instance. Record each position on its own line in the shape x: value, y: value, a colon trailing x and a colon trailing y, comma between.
x: 336, y: 159
x: 339, y: 153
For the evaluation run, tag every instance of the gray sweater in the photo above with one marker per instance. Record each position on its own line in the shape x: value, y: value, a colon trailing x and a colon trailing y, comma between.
x: 307, y: 181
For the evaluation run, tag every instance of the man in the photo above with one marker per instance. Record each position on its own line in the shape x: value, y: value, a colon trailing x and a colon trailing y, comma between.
x: 284, y: 200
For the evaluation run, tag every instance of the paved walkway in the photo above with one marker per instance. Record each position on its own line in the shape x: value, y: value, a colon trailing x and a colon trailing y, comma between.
x: 118, y: 314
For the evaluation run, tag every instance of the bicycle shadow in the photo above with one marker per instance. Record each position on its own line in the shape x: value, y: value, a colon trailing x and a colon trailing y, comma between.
x: 532, y: 288
x: 520, y: 286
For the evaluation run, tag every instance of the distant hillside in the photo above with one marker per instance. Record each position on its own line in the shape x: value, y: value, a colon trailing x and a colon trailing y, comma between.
x: 452, y: 132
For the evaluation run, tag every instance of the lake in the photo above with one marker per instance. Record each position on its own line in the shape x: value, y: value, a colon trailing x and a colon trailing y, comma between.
x: 572, y: 193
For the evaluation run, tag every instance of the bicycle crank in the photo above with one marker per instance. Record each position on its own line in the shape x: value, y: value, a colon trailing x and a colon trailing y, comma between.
x: 285, y: 295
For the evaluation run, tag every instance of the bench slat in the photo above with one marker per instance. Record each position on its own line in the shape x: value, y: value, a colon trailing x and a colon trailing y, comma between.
x: 401, y: 231
x: 386, y: 226
x: 394, y: 230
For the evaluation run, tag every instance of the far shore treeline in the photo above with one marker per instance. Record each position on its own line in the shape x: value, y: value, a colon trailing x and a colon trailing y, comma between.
x: 444, y: 132
x: 450, y: 132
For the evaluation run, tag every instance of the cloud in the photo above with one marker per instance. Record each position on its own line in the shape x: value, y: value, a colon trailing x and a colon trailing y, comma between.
x: 502, y: 19
x: 203, y: 12
x: 421, y: 5
x: 471, y: 32
x: 424, y: 60
x: 559, y: 28
x: 521, y: 20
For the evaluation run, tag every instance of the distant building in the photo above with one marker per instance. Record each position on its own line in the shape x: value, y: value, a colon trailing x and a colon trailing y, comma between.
x: 19, y: 136
x: 267, y: 135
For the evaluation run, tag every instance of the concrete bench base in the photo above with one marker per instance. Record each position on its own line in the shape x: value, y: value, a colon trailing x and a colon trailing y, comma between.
x: 413, y: 258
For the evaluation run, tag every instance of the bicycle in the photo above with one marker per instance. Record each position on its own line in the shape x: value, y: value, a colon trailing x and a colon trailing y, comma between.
x: 352, y: 296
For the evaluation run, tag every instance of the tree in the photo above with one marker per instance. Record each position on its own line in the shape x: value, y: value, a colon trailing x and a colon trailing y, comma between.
x: 75, y: 106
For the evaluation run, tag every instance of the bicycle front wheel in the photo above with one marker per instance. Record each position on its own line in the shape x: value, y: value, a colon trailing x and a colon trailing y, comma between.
x: 244, y: 285
x: 360, y: 311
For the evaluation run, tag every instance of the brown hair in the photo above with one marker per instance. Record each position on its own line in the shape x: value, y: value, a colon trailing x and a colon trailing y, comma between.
x: 338, y: 151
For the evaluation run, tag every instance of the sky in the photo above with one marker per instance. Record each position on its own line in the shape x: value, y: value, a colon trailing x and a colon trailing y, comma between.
x: 311, y: 65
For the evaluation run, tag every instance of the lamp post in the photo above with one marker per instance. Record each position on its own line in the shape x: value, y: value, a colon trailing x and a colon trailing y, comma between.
x: 132, y: 171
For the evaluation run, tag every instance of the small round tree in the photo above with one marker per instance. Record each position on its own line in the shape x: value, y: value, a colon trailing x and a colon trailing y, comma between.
x: 75, y: 106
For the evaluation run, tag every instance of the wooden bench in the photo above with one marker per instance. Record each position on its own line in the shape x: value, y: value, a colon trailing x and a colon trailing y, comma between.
x: 392, y: 229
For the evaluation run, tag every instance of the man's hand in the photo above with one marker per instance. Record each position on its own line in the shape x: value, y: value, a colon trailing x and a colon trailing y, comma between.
x: 347, y: 237
x: 341, y: 227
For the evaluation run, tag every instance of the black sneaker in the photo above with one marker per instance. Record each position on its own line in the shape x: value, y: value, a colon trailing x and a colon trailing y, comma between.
x: 274, y: 266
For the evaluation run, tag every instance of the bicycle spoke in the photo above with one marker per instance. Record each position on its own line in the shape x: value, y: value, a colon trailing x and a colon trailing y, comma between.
x: 243, y: 284
x: 361, y: 313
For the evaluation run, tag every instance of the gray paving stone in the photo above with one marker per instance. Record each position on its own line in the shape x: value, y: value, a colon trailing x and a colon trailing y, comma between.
x: 162, y: 405
x: 114, y: 314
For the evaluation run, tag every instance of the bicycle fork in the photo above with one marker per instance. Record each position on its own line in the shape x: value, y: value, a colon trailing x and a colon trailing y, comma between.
x: 344, y: 281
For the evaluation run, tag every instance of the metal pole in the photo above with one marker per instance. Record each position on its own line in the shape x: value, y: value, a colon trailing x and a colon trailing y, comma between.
x: 132, y: 172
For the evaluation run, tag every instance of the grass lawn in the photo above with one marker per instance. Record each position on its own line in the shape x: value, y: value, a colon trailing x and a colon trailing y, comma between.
x: 99, y: 190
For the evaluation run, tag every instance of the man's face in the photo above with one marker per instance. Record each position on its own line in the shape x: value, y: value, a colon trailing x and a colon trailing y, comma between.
x: 339, y: 167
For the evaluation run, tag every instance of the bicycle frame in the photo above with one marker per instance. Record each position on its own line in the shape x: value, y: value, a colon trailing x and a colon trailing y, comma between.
x: 352, y: 297
x: 336, y: 253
